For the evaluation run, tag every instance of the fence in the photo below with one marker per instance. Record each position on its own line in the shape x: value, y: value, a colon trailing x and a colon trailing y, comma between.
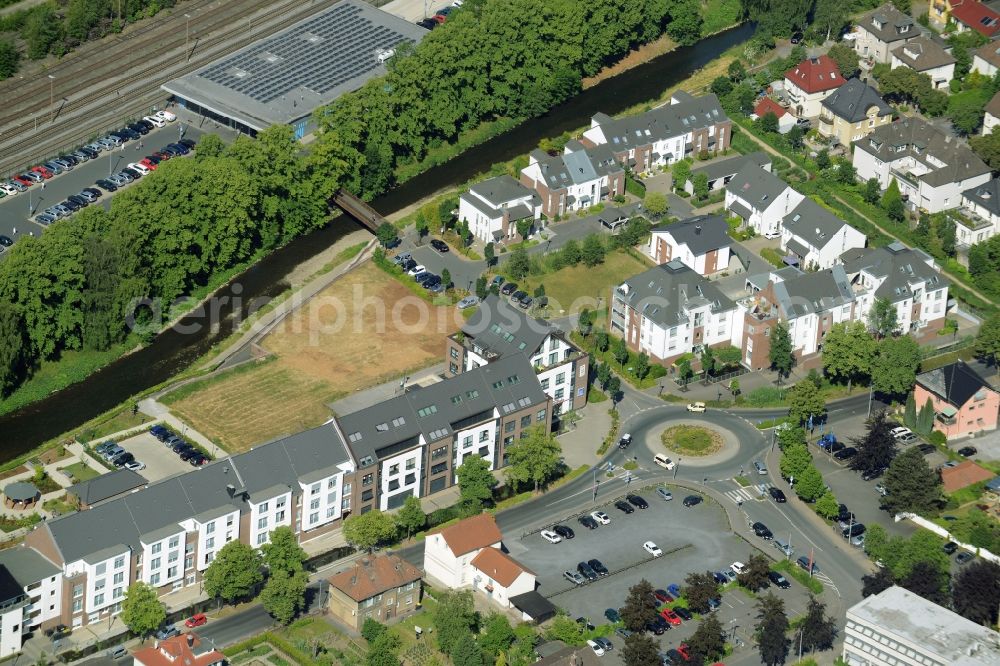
x: 942, y: 532
x: 931, y: 352
x: 711, y: 379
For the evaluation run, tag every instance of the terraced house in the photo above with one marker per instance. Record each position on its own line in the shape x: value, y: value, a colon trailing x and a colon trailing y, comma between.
x: 579, y: 178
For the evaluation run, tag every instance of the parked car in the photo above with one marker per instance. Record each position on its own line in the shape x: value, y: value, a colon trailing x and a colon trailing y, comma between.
x: 588, y: 522
x: 692, y: 500
x: 873, y: 474
x: 195, y: 620
x: 601, y: 517
x: 624, y: 507
x: 803, y: 562
x: 761, y: 530
x: 508, y: 288
x: 664, y: 494
x: 612, y: 615
x: 574, y: 577
x: 684, y: 613
x: 45, y: 219
x: 596, y: 647
x: 846, y: 454
x: 967, y: 451
x: 106, y: 185
x: 563, y: 531
x: 167, y: 632
x: 439, y: 245
x: 926, y: 448
x: 825, y: 441
x: 662, y: 597
x: 550, y: 536
x: 586, y: 571
x: 880, y: 489
x: 118, y: 652
x: 135, y: 466
x: 598, y: 567
x: 964, y: 556
x: 468, y: 302
x: 637, y: 501
x: 652, y: 549
x: 155, y: 121
x: 123, y: 459
x: 778, y: 580
x: 670, y: 616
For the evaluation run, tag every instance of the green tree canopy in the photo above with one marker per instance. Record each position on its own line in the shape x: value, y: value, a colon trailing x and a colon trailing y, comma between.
x: 772, y: 629
x: 656, y: 203
x: 534, y: 458
x: 975, y: 592
x: 827, y: 505
x: 593, y: 251
x: 234, y: 573
x: 894, y: 368
x: 780, y: 353
x: 497, y: 635
x: 467, y: 652
x: 384, y: 651
x: 818, y: 629
x: 794, y: 461
x: 699, y: 589
x: 842, y: 53
x: 639, y: 608
x: 809, y: 485
x: 707, y: 643
x: 848, y: 350
x: 142, y: 611
x: 754, y: 577
x: 877, y: 447
x: 475, y: 481
x: 283, y: 552
x: 640, y: 650
x: 367, y: 530
x: 453, y: 618
x: 284, y: 594
x: 804, y: 401
x: 911, y: 484
x: 987, y: 340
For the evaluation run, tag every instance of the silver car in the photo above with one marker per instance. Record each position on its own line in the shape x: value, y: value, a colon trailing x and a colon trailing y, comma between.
x: 664, y: 493
x: 574, y: 577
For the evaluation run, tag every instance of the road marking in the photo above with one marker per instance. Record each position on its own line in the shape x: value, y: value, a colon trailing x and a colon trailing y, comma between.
x: 741, y: 495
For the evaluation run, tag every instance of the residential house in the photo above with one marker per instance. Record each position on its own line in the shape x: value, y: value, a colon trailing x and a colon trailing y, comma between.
x: 931, y: 168
x: 449, y: 551
x: 761, y: 200
x: 897, y: 626
x: 183, y: 650
x: 12, y: 602
x: 671, y: 310
x: 991, y: 117
x: 570, y: 656
x: 381, y: 587
x: 664, y: 135
x: 702, y: 243
x: 980, y: 215
x: 498, y: 329
x: 719, y: 172
x: 816, y: 237
x: 974, y: 15
x: 500, y: 577
x: 986, y: 59
x: 963, y: 475
x: 853, y: 111
x: 809, y: 304
x: 926, y: 56
x: 810, y: 82
x: 493, y: 207
x: 908, y: 278
x: 104, y: 487
x: 766, y: 105
x: 579, y: 178
x: 30, y: 595
x: 965, y: 404
x: 881, y: 30
x: 413, y: 443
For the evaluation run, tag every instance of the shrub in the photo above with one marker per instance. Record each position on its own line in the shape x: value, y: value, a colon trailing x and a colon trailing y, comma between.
x: 938, y: 438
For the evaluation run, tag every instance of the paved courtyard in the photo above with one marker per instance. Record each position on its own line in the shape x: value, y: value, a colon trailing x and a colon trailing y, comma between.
x: 161, y: 462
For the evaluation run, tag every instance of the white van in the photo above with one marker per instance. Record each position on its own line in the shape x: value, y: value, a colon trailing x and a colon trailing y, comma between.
x: 663, y: 461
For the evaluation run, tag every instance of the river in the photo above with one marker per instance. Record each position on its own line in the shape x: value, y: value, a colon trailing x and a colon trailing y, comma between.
x: 173, y: 351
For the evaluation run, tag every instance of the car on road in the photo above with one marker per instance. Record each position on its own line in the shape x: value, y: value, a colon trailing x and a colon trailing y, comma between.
x: 663, y: 461
x: 777, y: 495
x: 6, y: 241
x: 846, y: 454
x: 508, y: 288
x: 967, y: 451
x: 759, y: 466
x: 467, y: 302
x: 586, y: 571
x: 601, y: 517
x: 439, y: 245
x: 167, y: 632
x: 778, y: 580
x: 697, y: 407
x: 118, y: 652
x: 195, y: 620
x: 964, y: 556
x: 550, y: 536
x: 135, y: 466
x: 574, y: 577
x: 612, y: 615
x: 662, y: 597
x: 652, y: 549
x: 594, y: 645
x: 761, y: 530
x: 624, y: 507
x: 692, y: 500
x: 563, y: 531
x: 625, y: 441
x: 738, y: 567
x: 803, y: 562
x: 670, y: 616
x: 664, y: 494
x: 598, y: 567
x: 588, y: 522
x: 637, y: 501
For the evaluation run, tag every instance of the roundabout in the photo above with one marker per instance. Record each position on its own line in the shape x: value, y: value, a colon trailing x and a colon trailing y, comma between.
x: 707, y: 442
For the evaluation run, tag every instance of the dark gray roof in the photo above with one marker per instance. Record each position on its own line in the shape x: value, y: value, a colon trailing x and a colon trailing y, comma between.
x: 887, y: 23
x: 106, y: 486
x: 160, y: 505
x: 27, y: 565
x: 665, y: 293
x: 500, y: 329
x: 581, y: 165
x: 393, y: 426
x: 731, y: 165
x: 9, y: 587
x: 955, y: 382
x: 813, y: 292
x: 901, y: 267
x: 683, y: 115
x: 757, y: 187
x: 917, y: 139
x: 797, y: 248
x: 21, y: 491
x: 813, y: 223
x: 922, y: 54
x: 501, y: 190
x: 986, y: 195
x: 990, y: 52
x: 701, y: 233
x: 286, y: 76
x: 537, y: 607
x: 852, y: 100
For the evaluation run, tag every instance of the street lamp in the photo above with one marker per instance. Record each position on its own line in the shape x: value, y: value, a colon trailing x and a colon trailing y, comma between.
x: 52, y: 98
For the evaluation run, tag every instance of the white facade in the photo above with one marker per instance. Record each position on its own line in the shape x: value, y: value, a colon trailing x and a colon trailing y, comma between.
x: 486, y: 219
x: 401, y: 474
x: 479, y: 440
x: 933, y: 302
x: 212, y: 535
x: 324, y: 500
x: 500, y: 594
x: 699, y: 263
x: 667, y: 149
x: 989, y: 122
x: 991, y: 227
x: 804, y: 330
x: 267, y: 515
x: 11, y: 628
x: 162, y: 562
x: 805, y: 104
x: 666, y: 342
x: 765, y: 218
x: 846, y: 238
x: 95, y: 596
x: 442, y: 564
x: 940, y: 76
x: 45, y: 597
x: 983, y: 66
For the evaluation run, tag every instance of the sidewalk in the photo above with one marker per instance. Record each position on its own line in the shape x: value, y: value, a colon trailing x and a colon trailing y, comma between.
x: 364, y: 398
x: 162, y: 414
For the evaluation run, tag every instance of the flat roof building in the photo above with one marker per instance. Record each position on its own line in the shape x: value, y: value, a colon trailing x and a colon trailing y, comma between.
x: 282, y: 79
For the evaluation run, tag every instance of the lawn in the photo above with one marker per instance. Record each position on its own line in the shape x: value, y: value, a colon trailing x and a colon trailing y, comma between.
x: 362, y: 330
x: 574, y: 288
x: 691, y: 440
x: 79, y: 472
x: 123, y: 420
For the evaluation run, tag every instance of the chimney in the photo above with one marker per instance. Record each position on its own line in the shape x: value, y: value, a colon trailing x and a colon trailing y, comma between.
x: 697, y: 230
x: 231, y: 489
x: 190, y: 638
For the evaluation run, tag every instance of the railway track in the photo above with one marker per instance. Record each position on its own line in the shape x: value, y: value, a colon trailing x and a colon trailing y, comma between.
x: 99, y: 101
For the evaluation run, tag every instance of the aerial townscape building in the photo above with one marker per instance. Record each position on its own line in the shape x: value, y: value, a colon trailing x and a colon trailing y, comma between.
x: 579, y: 178
x: 927, y: 56
x: 492, y: 208
x: 761, y: 200
x: 880, y: 31
x: 810, y: 82
x: 380, y: 587
x: 852, y: 112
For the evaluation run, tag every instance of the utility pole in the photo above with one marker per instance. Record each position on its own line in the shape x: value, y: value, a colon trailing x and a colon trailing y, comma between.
x: 52, y: 98
x: 871, y: 395
x: 187, y: 36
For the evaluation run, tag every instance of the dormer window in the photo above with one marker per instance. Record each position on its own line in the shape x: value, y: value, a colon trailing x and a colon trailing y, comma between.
x: 877, y: 24
x: 904, y: 28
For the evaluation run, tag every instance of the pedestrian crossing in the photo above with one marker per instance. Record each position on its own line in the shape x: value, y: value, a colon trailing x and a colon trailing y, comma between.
x: 741, y: 494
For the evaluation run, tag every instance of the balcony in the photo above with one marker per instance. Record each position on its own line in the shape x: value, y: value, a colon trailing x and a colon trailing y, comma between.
x: 945, y: 419
x: 905, y: 179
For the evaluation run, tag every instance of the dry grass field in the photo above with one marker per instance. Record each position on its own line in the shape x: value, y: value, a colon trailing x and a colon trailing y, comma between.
x: 362, y: 330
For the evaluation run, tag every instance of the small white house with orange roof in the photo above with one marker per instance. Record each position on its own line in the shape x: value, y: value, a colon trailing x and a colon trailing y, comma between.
x: 448, y: 553
x: 500, y: 577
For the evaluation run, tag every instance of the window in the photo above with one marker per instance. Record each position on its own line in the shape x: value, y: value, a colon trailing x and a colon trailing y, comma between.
x: 410, y: 479
x: 439, y: 453
x: 262, y: 523
x: 484, y: 452
x: 102, y: 567
x: 313, y: 518
x: 540, y: 416
x: 545, y: 384
x: 316, y: 487
x: 189, y: 562
x: 280, y: 516
x: 331, y: 512
x: 345, y: 504
x: 210, y: 528
x: 118, y: 593
x: 118, y: 578
x: 331, y: 498
x: 553, y: 358
x: 173, y: 556
x: 560, y: 393
x: 367, y: 495
x: 411, y: 463
x: 438, y: 468
x: 484, y: 435
x: 210, y: 543
x: 526, y: 421
x: 263, y: 507
x: 155, y: 564
x: 394, y: 469
x: 154, y: 579
x: 467, y: 441
x: 261, y: 538
x: 314, y: 504
x: 171, y: 572
x: 77, y: 605
x: 560, y: 378
x: 508, y: 427
x: 119, y: 562
x: 453, y: 368
x: 454, y: 352
x: 99, y: 598
x: 99, y: 585
x: 367, y: 479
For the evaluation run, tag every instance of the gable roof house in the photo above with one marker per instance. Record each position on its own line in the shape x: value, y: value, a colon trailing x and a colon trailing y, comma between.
x: 964, y: 403
x: 664, y: 135
x: 931, y: 168
x: 810, y: 82
x: 816, y: 237
x: 760, y: 199
x: 579, y: 178
x: 492, y: 208
x: 853, y: 112
x: 986, y: 59
x: 719, y: 172
x: 30, y: 596
x: 182, y: 650
x: 980, y: 215
x: 991, y: 117
x: 766, y: 105
x: 926, y: 56
x: 702, y: 243
x: 974, y: 15
x: 881, y: 30
x: 500, y: 577
x: 382, y: 587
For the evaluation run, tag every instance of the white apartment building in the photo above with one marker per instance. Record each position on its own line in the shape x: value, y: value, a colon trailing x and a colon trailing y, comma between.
x: 817, y: 237
x: 30, y: 594
x: 761, y: 200
x: 492, y: 208
x: 579, y: 178
x: 979, y: 219
x: 702, y: 243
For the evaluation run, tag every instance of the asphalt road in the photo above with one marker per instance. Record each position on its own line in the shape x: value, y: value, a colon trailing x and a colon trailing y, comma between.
x: 233, y: 628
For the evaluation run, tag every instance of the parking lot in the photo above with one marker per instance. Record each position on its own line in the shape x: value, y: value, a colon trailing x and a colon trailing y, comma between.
x: 160, y: 461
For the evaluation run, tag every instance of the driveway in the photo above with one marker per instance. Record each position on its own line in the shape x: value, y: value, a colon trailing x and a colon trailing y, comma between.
x: 161, y: 462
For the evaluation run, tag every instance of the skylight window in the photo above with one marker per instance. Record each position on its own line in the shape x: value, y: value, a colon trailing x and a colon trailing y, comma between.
x: 472, y: 395
x: 456, y: 399
x: 398, y: 421
x: 498, y: 384
x: 354, y: 437
x: 427, y: 411
x: 382, y: 427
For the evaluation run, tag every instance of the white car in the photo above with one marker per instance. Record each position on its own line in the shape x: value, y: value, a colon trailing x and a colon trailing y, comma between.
x: 598, y: 650
x: 419, y: 268
x: 698, y: 407
x: 652, y: 549
x: 155, y: 121
x: 900, y: 431
x: 165, y: 115
x: 601, y: 517
x: 550, y: 536
x: 738, y: 567
x: 8, y: 189
x: 135, y: 466
x: 141, y: 168
x: 663, y: 461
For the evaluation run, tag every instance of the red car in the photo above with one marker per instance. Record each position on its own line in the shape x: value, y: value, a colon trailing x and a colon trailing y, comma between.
x: 685, y: 651
x: 163, y: 155
x: 670, y: 616
x: 149, y: 164
x: 24, y: 180
x: 42, y: 171
x: 662, y: 596
x: 195, y: 621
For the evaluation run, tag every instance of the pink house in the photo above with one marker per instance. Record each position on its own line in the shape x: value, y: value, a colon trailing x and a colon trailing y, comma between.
x: 964, y: 404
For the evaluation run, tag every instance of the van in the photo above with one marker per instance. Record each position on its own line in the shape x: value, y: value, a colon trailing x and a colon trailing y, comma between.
x: 784, y: 547
x: 663, y: 461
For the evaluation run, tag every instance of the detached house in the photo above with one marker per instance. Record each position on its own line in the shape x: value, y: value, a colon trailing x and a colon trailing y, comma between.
x: 986, y: 59
x: 380, y: 587
x: 931, y: 168
x: 991, y: 117
x: 926, y: 56
x: 671, y: 310
x: 493, y: 208
x: 853, y: 111
x: 766, y: 105
x: 702, y: 243
x: 579, y: 178
x: 664, y: 135
x: 810, y: 82
x: 760, y: 199
x: 981, y: 214
x: 183, y: 650
x: 881, y: 30
x: 964, y: 403
x: 816, y: 237
x: 974, y: 15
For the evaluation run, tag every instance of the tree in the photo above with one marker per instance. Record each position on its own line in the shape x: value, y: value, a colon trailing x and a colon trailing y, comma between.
x: 613, y: 388
x: 639, y: 609
x: 892, y: 201
x: 699, y: 588
x: 988, y: 340
x: 966, y: 114
x: 848, y: 350
x: 386, y: 234
x: 700, y: 184
x: 482, y: 288
x: 467, y: 652
x: 875, y: 583
x: 592, y: 251
x: 818, y: 629
x: 284, y: 594
x: 367, y: 530
x: 927, y: 580
x: 736, y: 70
x: 234, y: 573
x: 9, y: 58
x: 533, y: 458
x: 789, y: 436
x: 987, y: 148
x: 877, y: 448
x: 142, y: 610
x: 524, y: 227
x: 13, y: 347
x: 584, y: 322
x: 823, y: 159
x: 685, y: 22
x: 771, y: 628
x: 768, y: 123
x: 827, y: 505
x: 911, y: 484
x: 685, y: 371
x: 454, y: 617
x: 975, y: 592
x: 411, y: 516
x: 655, y: 203
x: 841, y: 53
x: 566, y: 630
x: 519, y: 264
x: 846, y: 173
x: 640, y: 650
x: 601, y: 341
x: 707, y: 643
x: 497, y: 635
x: 680, y: 172
x: 619, y: 349
x: 805, y: 402
x: 925, y: 419
x: 372, y: 629
x: 283, y: 552
x: 640, y: 366
x: 809, y: 485
x: 721, y: 86
x: 475, y: 481
x: 872, y: 191
x: 446, y: 278
x: 894, y: 369
x: 384, y: 651
x: 707, y: 361
x: 910, y: 411
x: 796, y: 137
x: 794, y: 461
x: 755, y: 576
x: 780, y: 354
